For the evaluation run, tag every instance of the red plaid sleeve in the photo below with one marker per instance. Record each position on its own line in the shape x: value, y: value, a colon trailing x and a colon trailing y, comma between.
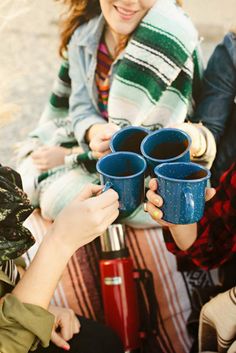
x: 216, y: 240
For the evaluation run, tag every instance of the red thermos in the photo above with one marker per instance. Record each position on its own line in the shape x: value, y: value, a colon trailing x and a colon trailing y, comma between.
x: 118, y: 288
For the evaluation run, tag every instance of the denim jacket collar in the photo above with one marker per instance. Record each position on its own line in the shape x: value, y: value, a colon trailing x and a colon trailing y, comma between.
x: 91, y: 34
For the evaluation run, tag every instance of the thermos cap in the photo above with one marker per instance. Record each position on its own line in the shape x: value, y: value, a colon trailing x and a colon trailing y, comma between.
x: 114, y: 238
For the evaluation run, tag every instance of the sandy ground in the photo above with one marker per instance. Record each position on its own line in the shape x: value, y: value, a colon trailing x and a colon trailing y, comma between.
x: 28, y: 64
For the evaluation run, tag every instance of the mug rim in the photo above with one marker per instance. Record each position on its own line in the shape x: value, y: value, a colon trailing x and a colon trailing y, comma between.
x: 136, y: 155
x: 166, y: 159
x: 157, y: 173
x: 129, y: 127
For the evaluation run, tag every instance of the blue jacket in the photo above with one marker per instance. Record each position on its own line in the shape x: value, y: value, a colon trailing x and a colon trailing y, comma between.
x: 217, y: 107
x: 82, y: 56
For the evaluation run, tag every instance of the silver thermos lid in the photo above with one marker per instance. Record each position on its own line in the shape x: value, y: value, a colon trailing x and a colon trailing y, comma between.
x: 114, y: 238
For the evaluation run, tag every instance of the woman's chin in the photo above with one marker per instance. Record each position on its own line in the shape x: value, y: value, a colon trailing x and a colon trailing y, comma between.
x: 124, y: 29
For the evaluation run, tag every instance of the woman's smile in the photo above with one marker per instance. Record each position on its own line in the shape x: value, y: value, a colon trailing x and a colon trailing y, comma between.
x: 124, y: 13
x: 123, y: 16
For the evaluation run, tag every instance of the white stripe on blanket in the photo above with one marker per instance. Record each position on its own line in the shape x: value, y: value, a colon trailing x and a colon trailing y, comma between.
x: 157, y: 63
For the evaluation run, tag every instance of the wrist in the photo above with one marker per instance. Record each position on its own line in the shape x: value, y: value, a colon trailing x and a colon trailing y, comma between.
x: 47, y: 267
x: 70, y: 159
x: 68, y: 151
x: 201, y: 143
x: 76, y: 150
x: 92, y: 131
x: 56, y: 240
x: 184, y: 235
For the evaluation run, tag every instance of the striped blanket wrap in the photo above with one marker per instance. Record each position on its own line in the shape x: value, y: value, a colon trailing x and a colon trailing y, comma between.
x: 153, y: 83
x: 152, y: 86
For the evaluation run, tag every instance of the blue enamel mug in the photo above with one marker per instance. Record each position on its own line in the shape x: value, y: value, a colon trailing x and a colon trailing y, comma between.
x: 128, y: 139
x: 182, y: 187
x: 166, y: 145
x: 125, y: 173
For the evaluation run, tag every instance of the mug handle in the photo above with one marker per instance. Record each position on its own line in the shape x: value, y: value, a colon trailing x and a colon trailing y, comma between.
x: 107, y: 186
x: 188, y: 204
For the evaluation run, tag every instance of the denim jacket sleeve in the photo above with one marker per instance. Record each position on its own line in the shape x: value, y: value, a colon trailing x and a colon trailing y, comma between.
x: 83, y: 110
x: 219, y: 88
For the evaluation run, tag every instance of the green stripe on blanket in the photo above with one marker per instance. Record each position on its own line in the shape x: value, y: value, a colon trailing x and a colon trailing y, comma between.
x: 60, y: 94
x: 64, y: 73
x: 183, y: 85
x: 158, y: 61
x: 130, y: 73
x: 59, y: 102
x: 162, y: 42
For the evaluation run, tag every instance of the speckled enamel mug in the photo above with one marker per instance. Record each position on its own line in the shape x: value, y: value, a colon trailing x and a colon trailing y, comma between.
x: 125, y: 173
x: 182, y: 187
x: 166, y: 145
x: 128, y: 139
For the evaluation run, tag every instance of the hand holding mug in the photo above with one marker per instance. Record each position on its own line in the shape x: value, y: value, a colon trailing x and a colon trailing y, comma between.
x: 184, y: 235
x: 198, y: 145
x: 86, y: 217
x: 99, y: 138
x: 125, y: 173
x: 155, y: 201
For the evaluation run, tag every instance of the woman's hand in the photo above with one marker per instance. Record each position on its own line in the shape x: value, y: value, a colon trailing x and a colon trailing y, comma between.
x: 184, y: 235
x: 155, y: 201
x: 198, y: 145
x: 65, y: 326
x: 86, y: 217
x: 99, y: 137
x: 48, y: 157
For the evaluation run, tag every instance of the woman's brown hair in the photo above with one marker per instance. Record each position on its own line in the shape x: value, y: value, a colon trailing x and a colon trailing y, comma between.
x: 179, y: 2
x: 79, y: 12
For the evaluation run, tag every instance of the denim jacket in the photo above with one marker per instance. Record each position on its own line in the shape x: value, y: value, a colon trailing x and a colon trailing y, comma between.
x: 82, y: 56
x: 217, y: 107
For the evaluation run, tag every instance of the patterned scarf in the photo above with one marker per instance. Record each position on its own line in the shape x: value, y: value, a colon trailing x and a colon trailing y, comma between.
x: 15, y: 239
x: 153, y: 83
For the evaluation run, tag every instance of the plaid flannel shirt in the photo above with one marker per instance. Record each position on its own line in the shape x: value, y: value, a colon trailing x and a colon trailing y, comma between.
x: 216, y: 240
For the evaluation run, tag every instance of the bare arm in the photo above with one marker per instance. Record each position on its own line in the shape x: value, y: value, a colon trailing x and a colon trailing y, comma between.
x: 184, y: 235
x: 86, y: 218
x: 43, y: 273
